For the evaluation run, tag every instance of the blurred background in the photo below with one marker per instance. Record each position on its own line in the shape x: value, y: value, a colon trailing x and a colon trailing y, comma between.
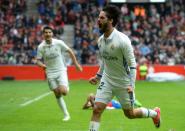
x: 155, y: 27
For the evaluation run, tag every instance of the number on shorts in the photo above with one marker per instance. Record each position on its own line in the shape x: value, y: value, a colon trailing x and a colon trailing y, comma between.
x: 100, y: 86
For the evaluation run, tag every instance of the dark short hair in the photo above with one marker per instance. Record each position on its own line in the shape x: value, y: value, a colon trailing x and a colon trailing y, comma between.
x: 47, y: 28
x: 112, y: 12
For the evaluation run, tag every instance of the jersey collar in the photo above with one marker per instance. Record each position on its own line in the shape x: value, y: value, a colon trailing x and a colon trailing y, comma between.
x: 111, y: 35
x: 49, y: 44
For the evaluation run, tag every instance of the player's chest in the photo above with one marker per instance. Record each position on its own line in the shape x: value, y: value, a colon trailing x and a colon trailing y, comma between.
x: 109, y: 48
x: 51, y: 51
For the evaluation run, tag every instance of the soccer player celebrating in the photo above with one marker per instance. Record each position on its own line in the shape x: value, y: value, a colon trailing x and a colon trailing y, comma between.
x: 52, y: 51
x: 117, y: 71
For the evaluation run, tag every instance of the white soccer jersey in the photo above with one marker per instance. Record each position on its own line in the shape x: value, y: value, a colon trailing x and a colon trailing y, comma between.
x: 117, y: 56
x: 53, y: 56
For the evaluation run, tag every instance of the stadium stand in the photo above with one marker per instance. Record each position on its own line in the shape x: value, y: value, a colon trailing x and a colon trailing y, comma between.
x: 157, y: 30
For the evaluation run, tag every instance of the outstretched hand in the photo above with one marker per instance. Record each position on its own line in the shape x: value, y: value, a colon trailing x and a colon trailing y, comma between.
x: 93, y: 80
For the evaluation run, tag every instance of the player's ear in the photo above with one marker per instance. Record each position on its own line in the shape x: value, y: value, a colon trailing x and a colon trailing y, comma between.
x: 111, y: 20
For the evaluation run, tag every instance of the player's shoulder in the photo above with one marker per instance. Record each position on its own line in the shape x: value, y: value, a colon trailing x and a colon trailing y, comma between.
x: 41, y: 45
x: 57, y: 41
x: 60, y: 44
x: 122, y: 35
x: 123, y: 38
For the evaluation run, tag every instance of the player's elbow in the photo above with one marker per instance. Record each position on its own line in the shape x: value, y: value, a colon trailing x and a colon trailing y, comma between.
x: 70, y: 51
x: 34, y: 60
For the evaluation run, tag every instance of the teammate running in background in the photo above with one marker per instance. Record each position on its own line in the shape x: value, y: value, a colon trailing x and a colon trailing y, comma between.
x: 117, y: 72
x: 52, y: 51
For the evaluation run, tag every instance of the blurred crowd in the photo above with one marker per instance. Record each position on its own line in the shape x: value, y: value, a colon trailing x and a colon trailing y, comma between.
x: 157, y: 31
x: 20, y: 33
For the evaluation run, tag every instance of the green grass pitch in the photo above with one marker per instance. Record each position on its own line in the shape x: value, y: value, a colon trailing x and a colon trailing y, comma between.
x: 43, y: 113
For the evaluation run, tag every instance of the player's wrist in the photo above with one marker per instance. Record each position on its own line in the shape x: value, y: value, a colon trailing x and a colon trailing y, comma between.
x: 98, y: 76
x: 43, y: 66
x: 77, y: 64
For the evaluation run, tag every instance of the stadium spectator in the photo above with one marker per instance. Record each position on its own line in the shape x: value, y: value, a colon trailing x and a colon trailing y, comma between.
x: 51, y: 51
x: 160, y: 25
x: 146, y: 28
x: 114, y: 81
x: 143, y: 70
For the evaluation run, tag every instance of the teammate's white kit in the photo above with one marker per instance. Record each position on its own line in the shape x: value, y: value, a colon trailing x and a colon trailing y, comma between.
x: 53, y: 57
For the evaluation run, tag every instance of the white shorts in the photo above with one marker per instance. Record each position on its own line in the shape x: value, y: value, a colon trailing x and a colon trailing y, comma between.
x: 106, y: 91
x: 59, y: 79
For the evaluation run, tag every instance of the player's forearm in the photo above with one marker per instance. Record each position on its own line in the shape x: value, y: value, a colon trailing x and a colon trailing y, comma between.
x: 73, y: 57
x: 100, y: 71
x: 39, y: 63
x: 132, y: 77
x: 132, y: 71
x: 131, y: 64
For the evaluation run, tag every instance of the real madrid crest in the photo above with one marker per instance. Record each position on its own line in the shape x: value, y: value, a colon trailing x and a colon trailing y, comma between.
x: 112, y: 47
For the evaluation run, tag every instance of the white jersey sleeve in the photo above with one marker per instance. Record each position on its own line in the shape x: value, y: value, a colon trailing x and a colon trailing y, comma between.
x: 101, y: 68
x: 53, y: 56
x: 63, y: 46
x: 129, y: 63
x: 101, y: 64
x: 39, y: 52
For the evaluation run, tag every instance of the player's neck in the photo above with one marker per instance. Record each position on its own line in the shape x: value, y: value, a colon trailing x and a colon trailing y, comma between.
x: 108, y: 32
x: 48, y: 41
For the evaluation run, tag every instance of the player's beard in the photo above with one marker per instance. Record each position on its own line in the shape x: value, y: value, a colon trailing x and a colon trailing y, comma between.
x: 103, y: 27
